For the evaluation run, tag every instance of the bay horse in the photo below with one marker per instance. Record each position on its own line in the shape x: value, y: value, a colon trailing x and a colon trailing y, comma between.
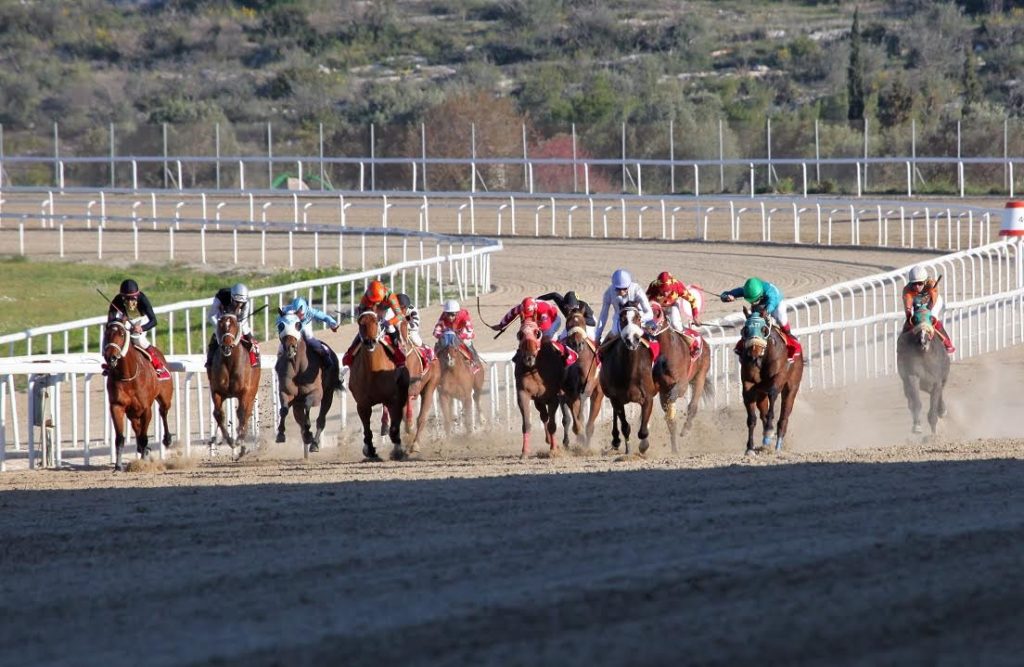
x: 769, y: 378
x: 132, y: 386
x: 539, y: 371
x: 302, y: 382
x: 428, y: 375
x: 677, y: 368
x: 458, y: 380
x: 585, y: 383
x: 923, y: 366
x: 626, y: 376
x: 375, y: 380
x: 232, y: 376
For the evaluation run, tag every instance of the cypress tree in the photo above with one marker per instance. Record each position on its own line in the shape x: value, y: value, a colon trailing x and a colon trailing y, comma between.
x: 855, y: 73
x: 971, y: 85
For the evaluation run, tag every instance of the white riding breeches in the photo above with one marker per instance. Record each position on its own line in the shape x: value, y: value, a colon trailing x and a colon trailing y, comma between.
x: 779, y: 315
x: 675, y: 318
x: 415, y: 339
x: 139, y: 340
x: 937, y: 308
x: 312, y: 340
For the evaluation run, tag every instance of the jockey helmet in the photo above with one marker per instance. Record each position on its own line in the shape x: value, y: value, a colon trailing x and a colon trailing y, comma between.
x: 240, y: 293
x: 571, y: 302
x: 129, y: 288
x: 621, y: 279
x: 452, y: 306
x: 664, y: 278
x: 918, y: 274
x: 753, y: 289
x: 299, y: 304
x: 528, y: 307
x: 376, y: 291
x: 404, y: 301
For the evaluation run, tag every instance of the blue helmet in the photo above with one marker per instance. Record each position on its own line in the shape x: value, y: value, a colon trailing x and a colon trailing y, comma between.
x: 621, y: 279
x: 299, y: 303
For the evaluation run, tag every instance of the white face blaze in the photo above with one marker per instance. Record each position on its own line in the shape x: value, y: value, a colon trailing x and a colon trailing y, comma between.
x: 632, y: 329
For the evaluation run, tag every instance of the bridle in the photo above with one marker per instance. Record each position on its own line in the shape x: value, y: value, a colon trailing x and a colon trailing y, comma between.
x: 369, y: 341
x: 224, y: 336
x: 121, y: 351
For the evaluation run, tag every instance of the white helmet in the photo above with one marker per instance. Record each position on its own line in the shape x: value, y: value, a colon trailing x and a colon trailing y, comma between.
x: 240, y: 292
x: 918, y: 274
x: 621, y: 279
x: 452, y: 306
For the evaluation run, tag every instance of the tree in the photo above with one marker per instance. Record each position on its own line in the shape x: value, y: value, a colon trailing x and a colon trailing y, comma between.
x: 895, y: 103
x: 855, y: 87
x: 971, y: 85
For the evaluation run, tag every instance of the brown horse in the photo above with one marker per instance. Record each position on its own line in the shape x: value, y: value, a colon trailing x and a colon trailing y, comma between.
x: 302, y: 383
x: 458, y: 380
x: 676, y: 369
x: 539, y: 372
x: 626, y: 376
x: 427, y: 375
x: 923, y: 365
x: 584, y: 383
x: 375, y: 380
x: 132, y: 386
x: 768, y: 377
x: 232, y: 376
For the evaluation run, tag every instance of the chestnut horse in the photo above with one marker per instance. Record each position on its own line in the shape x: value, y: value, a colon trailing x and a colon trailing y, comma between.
x: 584, y: 383
x: 458, y: 380
x: 539, y: 372
x: 375, y: 380
x: 132, y: 386
x: 626, y: 376
x: 423, y: 382
x: 232, y: 376
x: 302, y: 382
x: 923, y: 366
x: 677, y: 368
x: 768, y: 377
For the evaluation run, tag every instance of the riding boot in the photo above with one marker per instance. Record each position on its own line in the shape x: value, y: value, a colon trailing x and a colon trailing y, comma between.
x: 346, y: 359
x: 946, y: 340
x: 254, y: 351
x: 793, y: 347
x: 159, y: 364
x: 738, y: 350
x: 569, y: 355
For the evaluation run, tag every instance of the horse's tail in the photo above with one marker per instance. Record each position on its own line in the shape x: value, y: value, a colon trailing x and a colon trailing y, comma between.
x: 709, y: 390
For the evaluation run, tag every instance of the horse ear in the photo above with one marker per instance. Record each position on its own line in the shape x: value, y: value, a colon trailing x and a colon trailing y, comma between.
x: 280, y: 311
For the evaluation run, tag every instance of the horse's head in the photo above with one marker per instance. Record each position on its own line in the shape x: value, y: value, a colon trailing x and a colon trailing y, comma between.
x: 659, y: 313
x: 529, y: 342
x: 756, y: 335
x: 116, y: 338
x: 575, y: 329
x: 924, y: 327
x: 289, y: 330
x: 369, y: 329
x: 447, y: 348
x: 631, y: 326
x: 228, y: 332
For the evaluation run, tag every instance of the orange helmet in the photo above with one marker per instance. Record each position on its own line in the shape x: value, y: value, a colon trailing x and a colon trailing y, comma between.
x: 665, y: 278
x: 376, y: 292
x: 528, y: 307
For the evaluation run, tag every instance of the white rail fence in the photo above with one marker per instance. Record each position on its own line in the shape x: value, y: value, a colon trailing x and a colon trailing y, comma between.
x: 848, y: 331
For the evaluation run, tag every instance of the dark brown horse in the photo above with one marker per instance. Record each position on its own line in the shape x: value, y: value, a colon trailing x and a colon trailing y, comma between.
x: 303, y: 383
x: 232, y: 376
x: 539, y: 372
x: 769, y: 378
x: 923, y: 365
x: 626, y: 376
x: 459, y: 381
x: 375, y: 380
x: 677, y: 368
x: 132, y: 386
x: 584, y: 383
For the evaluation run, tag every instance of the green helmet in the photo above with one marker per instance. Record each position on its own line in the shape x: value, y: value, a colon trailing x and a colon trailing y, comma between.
x: 753, y: 289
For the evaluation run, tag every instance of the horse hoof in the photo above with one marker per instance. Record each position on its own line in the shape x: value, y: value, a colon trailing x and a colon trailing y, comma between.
x: 644, y: 446
x: 750, y: 452
x: 118, y: 467
x: 917, y: 428
x: 279, y: 438
x: 398, y: 455
x: 314, y: 448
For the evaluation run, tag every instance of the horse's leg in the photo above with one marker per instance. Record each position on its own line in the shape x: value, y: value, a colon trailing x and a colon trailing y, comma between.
x: 624, y: 425
x: 163, y: 400
x: 668, y: 406
x: 395, y: 432
x: 326, y: 401
x: 385, y: 421
x: 554, y: 408
x: 595, y: 400
x: 769, y: 415
x: 477, y: 391
x: 568, y: 422
x: 301, y: 414
x: 750, y: 402
x: 426, y: 405
x: 445, y: 401
x: 282, y: 414
x: 788, y: 399
x: 117, y: 416
x: 365, y: 412
x: 523, y: 399
x: 913, y: 401
x: 246, y: 403
x: 645, y: 418
x: 141, y: 427
x: 218, y: 417
x: 696, y: 395
x: 615, y: 425
x: 408, y: 414
x: 934, y: 405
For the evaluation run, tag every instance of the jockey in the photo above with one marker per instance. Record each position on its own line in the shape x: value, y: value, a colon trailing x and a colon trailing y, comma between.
x: 568, y: 303
x: 923, y: 291
x: 675, y: 298
x: 307, y: 315
x: 456, y: 319
x: 235, y: 301
x: 547, y: 319
x: 132, y: 305
x: 379, y: 299
x: 764, y: 295
x: 412, y: 319
x: 622, y: 291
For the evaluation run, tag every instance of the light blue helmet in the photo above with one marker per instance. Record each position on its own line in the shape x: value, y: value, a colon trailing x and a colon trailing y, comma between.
x: 299, y: 303
x: 621, y: 279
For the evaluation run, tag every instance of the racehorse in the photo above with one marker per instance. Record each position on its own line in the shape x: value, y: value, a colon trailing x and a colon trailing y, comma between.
x: 302, y: 382
x: 626, y: 376
x: 132, y: 386
x: 584, y: 383
x: 458, y: 380
x: 768, y: 377
x: 922, y: 366
x: 676, y: 368
x: 232, y: 376
x: 429, y: 375
x: 539, y: 371
x: 375, y: 380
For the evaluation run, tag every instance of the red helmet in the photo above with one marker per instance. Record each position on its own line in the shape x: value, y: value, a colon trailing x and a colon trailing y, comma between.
x: 665, y: 278
x: 528, y: 307
x: 376, y: 292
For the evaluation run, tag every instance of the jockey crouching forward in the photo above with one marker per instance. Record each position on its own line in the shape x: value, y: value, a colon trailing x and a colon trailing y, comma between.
x: 762, y: 294
x: 233, y: 301
x: 547, y: 320
x: 411, y: 315
x: 680, y: 304
x: 922, y: 291
x: 624, y: 291
x: 307, y: 315
x: 456, y: 319
x: 566, y: 304
x: 380, y: 300
x: 132, y: 306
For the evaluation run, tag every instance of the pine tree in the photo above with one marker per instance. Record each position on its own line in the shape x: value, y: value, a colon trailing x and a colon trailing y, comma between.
x: 855, y: 73
x: 971, y: 85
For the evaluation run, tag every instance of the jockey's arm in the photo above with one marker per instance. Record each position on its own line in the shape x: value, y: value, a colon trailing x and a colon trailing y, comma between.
x: 466, y: 330
x: 588, y: 314
x: 216, y: 310
x: 318, y: 315
x: 412, y: 316
x: 773, y: 297
x: 555, y: 298
x: 509, y: 316
x: 908, y: 303
x: 556, y: 324
x: 606, y: 304
x: 146, y: 308
x: 645, y: 307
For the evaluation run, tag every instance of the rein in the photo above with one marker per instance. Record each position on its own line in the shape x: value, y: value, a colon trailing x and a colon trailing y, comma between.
x: 122, y: 352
